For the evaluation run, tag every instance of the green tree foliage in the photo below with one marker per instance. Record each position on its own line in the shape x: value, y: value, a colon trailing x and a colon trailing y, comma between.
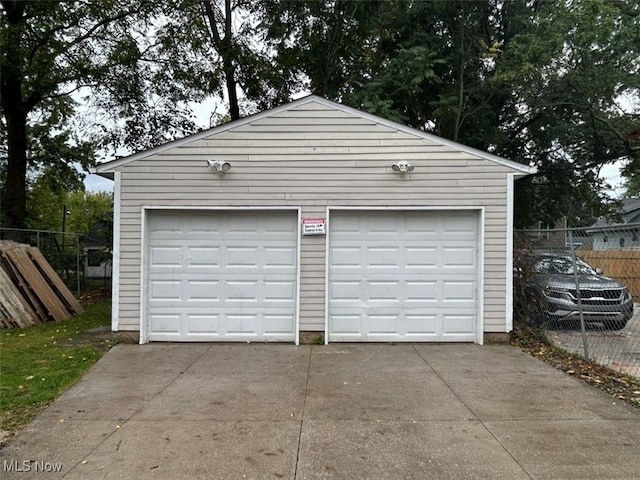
x: 542, y: 83
x: 537, y: 82
x: 632, y: 187
x: 46, y: 206
x: 568, y: 73
x: 214, y: 49
x: 49, y: 50
x: 322, y: 43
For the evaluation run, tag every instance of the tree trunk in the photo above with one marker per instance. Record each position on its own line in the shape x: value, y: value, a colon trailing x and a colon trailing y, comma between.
x: 15, y: 201
x: 14, y: 110
x: 460, y: 106
x: 230, y: 79
x: 225, y: 48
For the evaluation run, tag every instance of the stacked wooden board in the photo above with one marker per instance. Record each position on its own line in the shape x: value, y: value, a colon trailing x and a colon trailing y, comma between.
x: 31, y: 292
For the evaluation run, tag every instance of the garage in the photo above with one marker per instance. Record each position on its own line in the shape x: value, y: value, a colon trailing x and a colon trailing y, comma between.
x: 403, y: 275
x: 313, y: 222
x: 222, y: 275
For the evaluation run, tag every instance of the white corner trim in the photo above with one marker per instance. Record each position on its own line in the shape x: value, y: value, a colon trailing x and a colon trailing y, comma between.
x: 298, y: 275
x: 144, y: 327
x: 327, y: 252
x: 115, y: 261
x: 480, y: 310
x: 509, y: 254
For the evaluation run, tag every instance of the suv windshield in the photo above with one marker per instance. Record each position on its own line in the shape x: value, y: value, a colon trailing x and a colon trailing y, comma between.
x: 554, y: 265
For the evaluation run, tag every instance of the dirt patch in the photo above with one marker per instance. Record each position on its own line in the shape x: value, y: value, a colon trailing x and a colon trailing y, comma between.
x: 101, y: 338
x: 95, y: 296
x: 622, y: 387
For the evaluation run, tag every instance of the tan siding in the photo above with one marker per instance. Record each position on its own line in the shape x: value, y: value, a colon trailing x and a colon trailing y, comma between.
x: 311, y: 157
x: 312, y: 275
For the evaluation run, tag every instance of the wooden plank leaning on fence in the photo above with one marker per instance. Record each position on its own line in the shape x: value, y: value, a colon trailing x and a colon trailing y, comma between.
x: 54, y: 281
x: 37, y: 283
x: 14, y: 312
x: 22, y: 286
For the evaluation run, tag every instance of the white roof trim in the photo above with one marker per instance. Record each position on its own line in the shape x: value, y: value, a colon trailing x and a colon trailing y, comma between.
x: 107, y: 168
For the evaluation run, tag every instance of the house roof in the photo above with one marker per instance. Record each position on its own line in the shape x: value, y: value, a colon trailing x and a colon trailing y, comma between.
x: 629, y: 212
x: 99, y: 234
x: 106, y: 169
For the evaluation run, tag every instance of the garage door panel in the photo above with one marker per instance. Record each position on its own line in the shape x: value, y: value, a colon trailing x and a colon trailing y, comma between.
x: 167, y: 232
x: 453, y: 257
x: 344, y: 291
x: 419, y: 324
x: 420, y: 291
x: 457, y: 222
x: 346, y: 324
x: 346, y: 257
x: 166, y: 291
x: 207, y: 257
x: 224, y: 276
x: 203, y: 291
x: 383, y: 291
x: 414, y: 224
x: 201, y: 227
x: 278, y: 324
x: 404, y: 286
x: 279, y: 292
x: 382, y: 257
x: 381, y: 324
x: 166, y: 256
x: 167, y: 323
x: 241, y: 292
x: 242, y: 257
x: 273, y: 257
x: 458, y: 291
x: 421, y: 257
x: 457, y: 324
x: 203, y: 324
x: 244, y: 325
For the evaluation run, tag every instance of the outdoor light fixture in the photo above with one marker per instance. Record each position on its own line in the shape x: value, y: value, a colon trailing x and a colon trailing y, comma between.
x: 218, y: 166
x: 402, y: 167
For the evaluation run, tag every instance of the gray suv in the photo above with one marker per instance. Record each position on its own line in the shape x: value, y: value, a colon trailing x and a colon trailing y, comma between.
x: 552, y: 291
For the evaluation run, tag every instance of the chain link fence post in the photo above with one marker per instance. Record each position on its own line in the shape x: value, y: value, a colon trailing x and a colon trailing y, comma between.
x: 583, y: 329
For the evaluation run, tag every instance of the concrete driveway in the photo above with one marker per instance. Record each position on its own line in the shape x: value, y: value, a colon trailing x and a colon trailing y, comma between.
x: 428, y: 411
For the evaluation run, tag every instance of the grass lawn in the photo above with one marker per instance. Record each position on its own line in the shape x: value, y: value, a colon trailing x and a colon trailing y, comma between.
x: 37, y: 364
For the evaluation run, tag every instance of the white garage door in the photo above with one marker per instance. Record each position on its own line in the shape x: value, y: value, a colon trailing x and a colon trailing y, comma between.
x: 224, y: 276
x: 403, y: 276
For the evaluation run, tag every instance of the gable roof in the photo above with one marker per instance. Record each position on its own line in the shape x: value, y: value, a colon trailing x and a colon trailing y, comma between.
x: 629, y: 214
x: 631, y: 210
x: 106, y: 169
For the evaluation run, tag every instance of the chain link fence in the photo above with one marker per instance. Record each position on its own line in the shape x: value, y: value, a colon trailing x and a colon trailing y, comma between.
x: 80, y: 261
x: 579, y: 286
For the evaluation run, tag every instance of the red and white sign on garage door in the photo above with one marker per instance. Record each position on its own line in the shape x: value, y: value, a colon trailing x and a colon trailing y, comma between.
x: 313, y: 226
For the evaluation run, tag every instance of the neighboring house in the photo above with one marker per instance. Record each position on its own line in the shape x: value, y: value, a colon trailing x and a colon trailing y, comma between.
x: 313, y: 217
x: 624, y: 235
x: 97, y: 253
x: 555, y: 237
